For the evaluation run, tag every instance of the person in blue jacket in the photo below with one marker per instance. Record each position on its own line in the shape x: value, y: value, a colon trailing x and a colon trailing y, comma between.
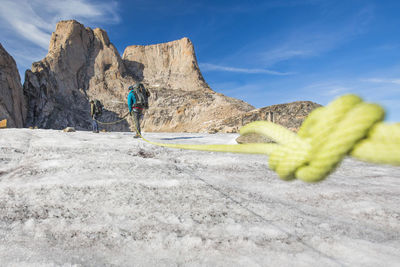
x: 135, y: 112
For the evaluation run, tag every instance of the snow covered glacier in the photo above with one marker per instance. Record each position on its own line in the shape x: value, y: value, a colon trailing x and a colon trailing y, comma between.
x: 84, y: 199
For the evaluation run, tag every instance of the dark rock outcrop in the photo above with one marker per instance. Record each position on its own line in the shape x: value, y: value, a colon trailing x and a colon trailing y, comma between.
x: 290, y: 115
x: 12, y: 102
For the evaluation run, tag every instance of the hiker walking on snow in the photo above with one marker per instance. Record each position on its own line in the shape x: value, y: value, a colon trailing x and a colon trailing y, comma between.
x: 94, y: 113
x: 137, y: 102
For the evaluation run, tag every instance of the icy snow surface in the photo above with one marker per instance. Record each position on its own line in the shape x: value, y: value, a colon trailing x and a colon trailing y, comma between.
x: 84, y: 199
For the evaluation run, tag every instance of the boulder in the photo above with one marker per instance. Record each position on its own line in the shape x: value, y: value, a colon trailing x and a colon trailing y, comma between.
x: 69, y: 130
x: 253, y: 138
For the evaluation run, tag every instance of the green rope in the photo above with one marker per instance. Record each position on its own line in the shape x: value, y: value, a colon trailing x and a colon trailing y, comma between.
x: 113, y: 122
x: 346, y: 126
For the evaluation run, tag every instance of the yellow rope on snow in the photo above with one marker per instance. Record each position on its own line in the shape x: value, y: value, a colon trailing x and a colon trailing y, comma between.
x: 347, y: 126
x: 113, y: 122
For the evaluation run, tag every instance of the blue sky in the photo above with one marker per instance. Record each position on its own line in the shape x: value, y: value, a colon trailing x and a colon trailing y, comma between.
x: 263, y: 52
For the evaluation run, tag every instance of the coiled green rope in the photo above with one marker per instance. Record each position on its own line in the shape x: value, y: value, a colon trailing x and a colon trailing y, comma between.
x: 346, y: 126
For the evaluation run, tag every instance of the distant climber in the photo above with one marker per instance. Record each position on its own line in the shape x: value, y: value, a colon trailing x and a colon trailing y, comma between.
x: 96, y: 110
x: 137, y: 102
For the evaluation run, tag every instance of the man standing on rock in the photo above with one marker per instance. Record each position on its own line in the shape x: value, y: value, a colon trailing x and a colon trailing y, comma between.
x: 137, y: 101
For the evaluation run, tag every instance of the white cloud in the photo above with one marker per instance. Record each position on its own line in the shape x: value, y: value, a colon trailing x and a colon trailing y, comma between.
x: 304, y: 44
x: 74, y: 8
x: 284, y: 53
x: 329, y: 89
x: 26, y: 25
x: 32, y: 33
x: 213, y: 67
x: 306, y: 41
x: 34, y: 20
x: 384, y: 92
x: 381, y: 80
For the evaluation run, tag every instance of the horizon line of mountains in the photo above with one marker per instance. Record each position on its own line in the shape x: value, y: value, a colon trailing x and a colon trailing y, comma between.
x: 82, y: 64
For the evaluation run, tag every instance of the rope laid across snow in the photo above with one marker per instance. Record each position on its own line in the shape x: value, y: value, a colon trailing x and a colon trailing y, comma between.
x: 347, y: 126
x: 113, y: 122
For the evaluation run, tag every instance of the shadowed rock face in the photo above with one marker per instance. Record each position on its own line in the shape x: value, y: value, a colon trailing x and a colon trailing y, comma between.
x: 12, y: 103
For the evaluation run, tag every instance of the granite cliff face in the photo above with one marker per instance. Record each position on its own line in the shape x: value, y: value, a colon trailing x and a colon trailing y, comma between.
x: 12, y: 102
x: 171, y: 65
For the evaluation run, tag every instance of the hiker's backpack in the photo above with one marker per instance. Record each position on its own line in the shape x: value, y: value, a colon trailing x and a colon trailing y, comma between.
x: 98, y: 108
x: 142, y: 96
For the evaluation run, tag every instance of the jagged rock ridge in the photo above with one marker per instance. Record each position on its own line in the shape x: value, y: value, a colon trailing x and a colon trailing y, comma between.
x: 12, y: 102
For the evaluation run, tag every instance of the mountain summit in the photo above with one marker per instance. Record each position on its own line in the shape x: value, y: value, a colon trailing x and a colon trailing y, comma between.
x: 170, y: 65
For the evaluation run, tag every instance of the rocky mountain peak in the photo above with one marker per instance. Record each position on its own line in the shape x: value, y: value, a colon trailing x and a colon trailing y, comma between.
x: 170, y: 65
x: 69, y: 31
